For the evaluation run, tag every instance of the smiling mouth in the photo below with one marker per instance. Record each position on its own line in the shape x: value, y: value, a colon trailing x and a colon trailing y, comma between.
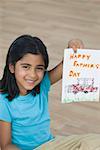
x: 30, y: 82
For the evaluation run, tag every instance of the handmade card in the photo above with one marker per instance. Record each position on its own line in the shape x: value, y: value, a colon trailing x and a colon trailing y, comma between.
x: 81, y: 75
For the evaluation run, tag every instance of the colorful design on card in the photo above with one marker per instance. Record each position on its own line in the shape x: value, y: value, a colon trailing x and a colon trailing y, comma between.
x: 81, y: 76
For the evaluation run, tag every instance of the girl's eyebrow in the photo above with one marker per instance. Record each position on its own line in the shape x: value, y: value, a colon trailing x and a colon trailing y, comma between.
x: 31, y: 65
x: 25, y: 64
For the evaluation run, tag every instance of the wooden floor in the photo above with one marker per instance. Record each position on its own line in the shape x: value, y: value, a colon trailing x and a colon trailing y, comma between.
x: 56, y: 22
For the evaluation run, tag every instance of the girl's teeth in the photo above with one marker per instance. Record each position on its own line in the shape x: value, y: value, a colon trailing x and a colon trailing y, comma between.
x: 30, y: 81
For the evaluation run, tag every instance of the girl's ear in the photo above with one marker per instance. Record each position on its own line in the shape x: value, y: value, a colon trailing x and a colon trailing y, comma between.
x: 11, y: 68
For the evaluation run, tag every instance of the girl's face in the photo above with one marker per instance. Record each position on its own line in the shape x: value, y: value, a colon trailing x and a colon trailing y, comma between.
x: 29, y: 72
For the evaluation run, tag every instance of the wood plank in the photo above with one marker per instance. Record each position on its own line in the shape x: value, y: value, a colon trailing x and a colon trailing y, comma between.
x: 56, y: 22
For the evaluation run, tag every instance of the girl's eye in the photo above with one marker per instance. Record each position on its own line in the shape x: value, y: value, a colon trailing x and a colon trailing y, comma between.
x: 25, y: 67
x: 39, y: 69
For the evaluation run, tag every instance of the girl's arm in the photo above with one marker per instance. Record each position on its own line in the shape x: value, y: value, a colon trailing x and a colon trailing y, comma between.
x: 5, y: 136
x: 56, y: 73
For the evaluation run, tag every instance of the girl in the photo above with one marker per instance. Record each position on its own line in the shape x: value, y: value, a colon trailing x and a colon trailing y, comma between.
x: 24, y: 115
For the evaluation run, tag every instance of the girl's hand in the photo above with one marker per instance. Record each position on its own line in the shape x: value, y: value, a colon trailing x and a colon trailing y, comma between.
x: 75, y: 44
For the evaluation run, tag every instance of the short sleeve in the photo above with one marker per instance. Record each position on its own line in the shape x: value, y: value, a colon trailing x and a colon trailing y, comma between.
x: 45, y: 84
x: 4, y: 111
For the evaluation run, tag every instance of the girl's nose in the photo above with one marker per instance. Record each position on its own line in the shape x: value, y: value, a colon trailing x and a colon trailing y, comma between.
x: 33, y: 73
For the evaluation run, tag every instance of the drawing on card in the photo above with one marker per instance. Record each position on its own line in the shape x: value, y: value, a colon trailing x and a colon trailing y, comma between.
x: 81, y: 73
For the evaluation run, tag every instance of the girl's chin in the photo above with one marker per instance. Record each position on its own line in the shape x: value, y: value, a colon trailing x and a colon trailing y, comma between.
x: 25, y: 92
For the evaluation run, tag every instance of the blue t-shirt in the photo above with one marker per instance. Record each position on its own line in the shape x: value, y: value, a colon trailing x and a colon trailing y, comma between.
x: 29, y: 117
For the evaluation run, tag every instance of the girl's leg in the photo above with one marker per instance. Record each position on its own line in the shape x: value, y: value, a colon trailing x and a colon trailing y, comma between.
x: 73, y: 142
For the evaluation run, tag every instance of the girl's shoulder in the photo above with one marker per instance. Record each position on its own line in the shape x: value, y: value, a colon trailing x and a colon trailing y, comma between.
x: 45, y: 84
x: 3, y: 96
x: 3, y: 101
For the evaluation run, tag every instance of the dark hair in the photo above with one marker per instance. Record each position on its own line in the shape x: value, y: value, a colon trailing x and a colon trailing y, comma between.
x: 21, y: 46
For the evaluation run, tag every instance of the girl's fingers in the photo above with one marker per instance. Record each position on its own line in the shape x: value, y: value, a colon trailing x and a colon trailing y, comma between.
x: 75, y: 44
